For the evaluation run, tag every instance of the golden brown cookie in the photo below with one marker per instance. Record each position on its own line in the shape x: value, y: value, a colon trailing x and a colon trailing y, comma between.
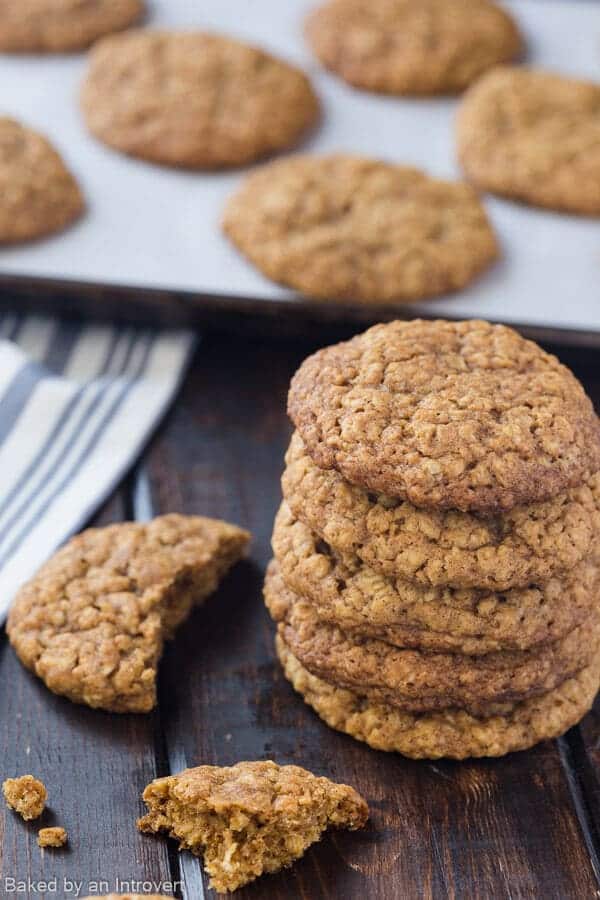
x: 450, y: 733
x: 533, y: 136
x: 194, y: 100
x: 346, y: 228
x: 248, y: 819
x: 362, y: 601
x: 463, y: 415
x: 38, y: 194
x: 92, y: 622
x: 55, y: 26
x: 417, y: 681
x: 412, y: 46
x: 52, y: 837
x: 26, y: 795
x: 522, y: 546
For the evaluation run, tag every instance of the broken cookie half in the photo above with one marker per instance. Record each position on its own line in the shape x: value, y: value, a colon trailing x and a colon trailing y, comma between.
x: 92, y: 622
x: 248, y: 819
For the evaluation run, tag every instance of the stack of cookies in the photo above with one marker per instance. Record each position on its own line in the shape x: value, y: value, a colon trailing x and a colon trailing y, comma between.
x: 435, y: 579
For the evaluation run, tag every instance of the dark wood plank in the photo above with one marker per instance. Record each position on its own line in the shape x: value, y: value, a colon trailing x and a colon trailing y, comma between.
x: 505, y: 828
x: 94, y: 765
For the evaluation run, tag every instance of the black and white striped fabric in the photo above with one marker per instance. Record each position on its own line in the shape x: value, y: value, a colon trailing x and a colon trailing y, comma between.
x: 77, y: 403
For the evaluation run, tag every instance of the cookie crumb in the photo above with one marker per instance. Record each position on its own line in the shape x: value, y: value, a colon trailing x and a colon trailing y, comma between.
x: 26, y: 795
x: 52, y: 837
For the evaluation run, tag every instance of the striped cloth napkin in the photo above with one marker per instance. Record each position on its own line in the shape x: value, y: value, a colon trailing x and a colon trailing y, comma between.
x: 77, y: 403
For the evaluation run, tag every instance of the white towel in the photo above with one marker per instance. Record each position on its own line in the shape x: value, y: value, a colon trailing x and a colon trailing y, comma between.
x: 77, y: 404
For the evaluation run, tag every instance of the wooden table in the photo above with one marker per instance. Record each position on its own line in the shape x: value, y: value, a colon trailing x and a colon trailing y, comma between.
x: 527, y: 826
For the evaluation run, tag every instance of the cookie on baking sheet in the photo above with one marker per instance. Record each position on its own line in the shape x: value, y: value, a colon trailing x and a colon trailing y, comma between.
x: 347, y: 228
x: 412, y: 46
x: 91, y: 624
x: 449, y: 733
x: 533, y: 136
x: 419, y: 681
x: 463, y: 415
x: 55, y: 26
x: 38, y: 194
x: 249, y: 819
x: 363, y: 602
x: 522, y: 546
x: 193, y: 99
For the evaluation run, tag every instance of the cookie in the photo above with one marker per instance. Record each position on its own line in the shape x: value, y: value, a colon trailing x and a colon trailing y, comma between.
x: 52, y: 837
x: 412, y: 46
x: 195, y: 100
x: 248, y: 819
x: 522, y: 546
x: 418, y: 681
x: 38, y: 194
x: 26, y: 795
x: 352, y: 229
x: 452, y: 415
x: 91, y: 624
x: 450, y: 733
x: 533, y: 136
x: 55, y: 26
x: 363, y: 602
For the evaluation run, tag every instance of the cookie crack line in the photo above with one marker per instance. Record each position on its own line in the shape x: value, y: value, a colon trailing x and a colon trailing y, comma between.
x: 92, y: 623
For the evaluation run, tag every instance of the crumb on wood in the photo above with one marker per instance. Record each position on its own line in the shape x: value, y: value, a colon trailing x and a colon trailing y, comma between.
x: 52, y: 837
x: 26, y: 795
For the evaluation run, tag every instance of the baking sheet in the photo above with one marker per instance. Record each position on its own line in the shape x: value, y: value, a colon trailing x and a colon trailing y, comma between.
x: 153, y: 227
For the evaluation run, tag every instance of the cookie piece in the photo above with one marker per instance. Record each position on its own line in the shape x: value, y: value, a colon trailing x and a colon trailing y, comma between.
x: 52, y: 837
x: 451, y: 733
x: 347, y: 228
x: 92, y: 622
x: 56, y: 26
x: 533, y: 136
x: 363, y: 602
x: 463, y: 415
x: 26, y: 795
x: 412, y: 46
x: 195, y: 100
x: 417, y: 681
x: 38, y: 194
x: 248, y: 819
x: 522, y: 546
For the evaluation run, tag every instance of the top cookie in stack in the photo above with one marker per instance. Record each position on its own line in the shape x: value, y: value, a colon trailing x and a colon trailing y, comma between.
x: 435, y: 572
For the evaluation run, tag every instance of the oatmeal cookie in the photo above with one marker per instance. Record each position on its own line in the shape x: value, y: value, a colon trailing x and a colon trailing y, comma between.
x: 362, y: 601
x: 412, y: 46
x: 347, y: 228
x: 194, y: 100
x: 435, y: 547
x: 38, y: 194
x: 248, y: 819
x: 52, y: 837
x: 26, y: 795
x: 450, y: 733
x: 92, y: 622
x: 463, y: 415
x: 418, y: 681
x: 56, y: 26
x: 533, y: 136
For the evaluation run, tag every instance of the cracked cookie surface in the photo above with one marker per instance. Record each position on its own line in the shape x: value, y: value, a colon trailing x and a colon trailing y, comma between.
x: 92, y: 622
x: 450, y: 733
x: 362, y: 601
x: 194, y: 100
x: 55, y: 26
x: 524, y: 545
x: 533, y: 136
x: 418, y: 681
x: 38, y: 194
x: 248, y: 819
x: 412, y: 46
x: 463, y: 415
x: 349, y: 228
